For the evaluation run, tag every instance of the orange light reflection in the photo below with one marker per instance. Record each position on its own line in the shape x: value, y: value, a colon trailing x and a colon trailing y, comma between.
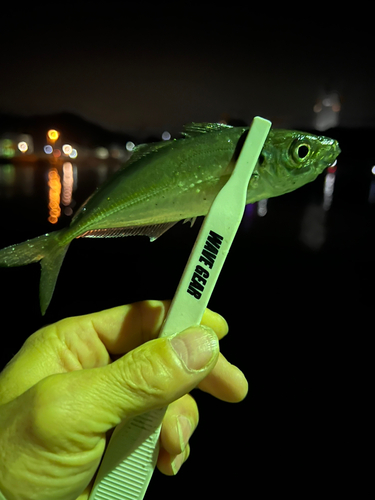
x: 54, y: 184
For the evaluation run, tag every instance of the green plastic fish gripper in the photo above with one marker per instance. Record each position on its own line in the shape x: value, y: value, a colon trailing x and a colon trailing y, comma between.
x: 132, y: 452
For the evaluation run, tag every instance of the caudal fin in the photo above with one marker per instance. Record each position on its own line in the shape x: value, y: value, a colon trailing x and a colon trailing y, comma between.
x: 48, y: 250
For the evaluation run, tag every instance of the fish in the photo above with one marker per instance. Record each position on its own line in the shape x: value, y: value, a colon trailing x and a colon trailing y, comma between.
x: 165, y: 182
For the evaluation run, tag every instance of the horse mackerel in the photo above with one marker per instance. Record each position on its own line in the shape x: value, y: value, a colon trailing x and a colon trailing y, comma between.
x: 168, y: 181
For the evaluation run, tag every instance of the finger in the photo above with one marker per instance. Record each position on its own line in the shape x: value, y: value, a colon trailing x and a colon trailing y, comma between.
x: 123, y: 328
x: 171, y: 464
x: 89, y: 341
x: 149, y: 377
x: 179, y: 423
x: 85, y: 341
x: 216, y: 322
x: 225, y: 382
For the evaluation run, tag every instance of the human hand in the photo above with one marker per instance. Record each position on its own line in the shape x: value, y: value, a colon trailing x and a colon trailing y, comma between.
x: 75, y: 380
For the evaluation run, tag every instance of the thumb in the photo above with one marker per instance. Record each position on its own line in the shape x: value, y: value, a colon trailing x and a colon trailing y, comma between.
x: 148, y: 377
x: 68, y: 413
x: 163, y: 370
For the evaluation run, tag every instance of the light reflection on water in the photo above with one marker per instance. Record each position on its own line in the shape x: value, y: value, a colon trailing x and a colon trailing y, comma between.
x: 60, y: 186
x: 61, y: 190
x: 68, y: 186
x: 54, y: 184
x: 7, y: 176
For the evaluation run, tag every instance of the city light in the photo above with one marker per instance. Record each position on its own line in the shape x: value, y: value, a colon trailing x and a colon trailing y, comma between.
x: 117, y: 152
x: 332, y: 169
x: 101, y: 153
x: 67, y: 149
x: 22, y: 146
x: 48, y: 149
x: 329, y: 186
x: 25, y: 143
x: 53, y: 135
x: 327, y: 109
x: 262, y: 208
x: 371, y: 196
x: 166, y: 136
x: 7, y: 175
x: 73, y: 154
x: 6, y: 148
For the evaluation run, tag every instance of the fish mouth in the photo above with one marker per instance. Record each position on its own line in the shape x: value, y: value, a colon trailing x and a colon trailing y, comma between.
x: 337, y: 151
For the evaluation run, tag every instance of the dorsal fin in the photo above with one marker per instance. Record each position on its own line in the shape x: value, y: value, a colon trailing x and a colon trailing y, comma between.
x: 194, y: 129
x: 146, y: 149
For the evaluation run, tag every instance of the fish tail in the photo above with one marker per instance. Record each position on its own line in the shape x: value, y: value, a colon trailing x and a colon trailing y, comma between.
x: 49, y: 250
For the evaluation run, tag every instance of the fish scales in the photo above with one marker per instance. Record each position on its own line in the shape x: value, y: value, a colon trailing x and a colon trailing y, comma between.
x: 158, y: 187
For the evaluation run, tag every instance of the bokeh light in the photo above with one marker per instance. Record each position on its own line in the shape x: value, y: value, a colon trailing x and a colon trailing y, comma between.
x: 22, y: 146
x: 53, y: 134
x: 67, y: 149
x: 54, y: 184
x: 67, y: 184
x: 262, y: 208
x: 102, y: 153
x: 7, y: 175
x: 6, y: 148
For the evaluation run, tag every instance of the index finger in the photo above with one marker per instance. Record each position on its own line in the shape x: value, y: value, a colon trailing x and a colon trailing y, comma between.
x: 123, y: 328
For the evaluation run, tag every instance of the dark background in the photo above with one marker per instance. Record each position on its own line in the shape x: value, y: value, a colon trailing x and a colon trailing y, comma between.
x: 297, y: 286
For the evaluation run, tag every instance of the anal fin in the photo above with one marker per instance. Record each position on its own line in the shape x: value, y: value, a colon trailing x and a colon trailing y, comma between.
x: 153, y: 232
x: 191, y: 220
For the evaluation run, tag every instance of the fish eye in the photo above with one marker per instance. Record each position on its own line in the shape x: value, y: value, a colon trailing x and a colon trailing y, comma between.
x: 303, y: 151
x: 300, y: 151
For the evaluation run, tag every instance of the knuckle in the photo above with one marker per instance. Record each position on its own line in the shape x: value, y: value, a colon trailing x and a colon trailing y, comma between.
x: 186, y: 406
x: 146, y: 373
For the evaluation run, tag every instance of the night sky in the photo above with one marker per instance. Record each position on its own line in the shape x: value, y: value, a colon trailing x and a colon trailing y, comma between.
x: 147, y: 68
